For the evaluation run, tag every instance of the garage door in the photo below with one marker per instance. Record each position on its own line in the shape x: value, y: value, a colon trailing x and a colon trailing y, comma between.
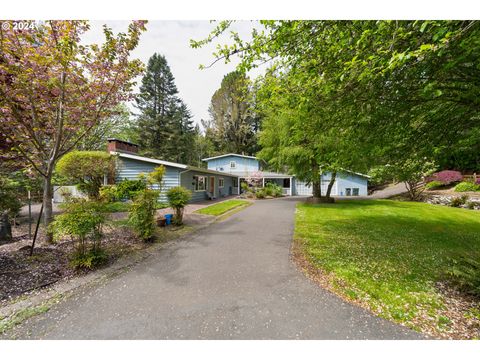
x: 303, y: 189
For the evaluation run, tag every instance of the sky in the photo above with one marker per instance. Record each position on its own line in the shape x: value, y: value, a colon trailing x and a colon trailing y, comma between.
x: 172, y: 39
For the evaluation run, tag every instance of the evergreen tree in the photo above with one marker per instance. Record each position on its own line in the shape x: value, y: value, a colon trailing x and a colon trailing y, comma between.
x: 164, y: 123
x: 233, y: 123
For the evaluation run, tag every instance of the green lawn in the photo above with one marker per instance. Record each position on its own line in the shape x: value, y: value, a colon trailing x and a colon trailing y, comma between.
x: 388, y: 254
x: 222, y: 207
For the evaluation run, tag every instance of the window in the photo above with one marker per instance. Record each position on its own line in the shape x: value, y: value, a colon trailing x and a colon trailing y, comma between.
x: 235, y: 182
x: 286, y: 183
x: 355, y: 191
x: 199, y: 183
x: 233, y: 164
x: 221, y: 183
x: 348, y: 192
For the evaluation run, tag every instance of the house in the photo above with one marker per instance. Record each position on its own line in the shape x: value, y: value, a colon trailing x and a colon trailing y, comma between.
x: 243, y: 167
x: 347, y: 183
x: 203, y: 183
x: 224, y: 174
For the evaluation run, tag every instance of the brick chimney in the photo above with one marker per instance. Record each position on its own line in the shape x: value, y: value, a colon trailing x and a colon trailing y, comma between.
x: 117, y: 145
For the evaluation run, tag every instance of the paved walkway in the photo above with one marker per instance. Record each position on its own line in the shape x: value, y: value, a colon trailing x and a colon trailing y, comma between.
x: 232, y: 280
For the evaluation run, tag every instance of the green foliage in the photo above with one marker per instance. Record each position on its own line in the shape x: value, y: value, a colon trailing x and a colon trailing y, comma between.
x: 272, y: 189
x: 434, y: 185
x: 156, y: 177
x: 90, y: 259
x: 164, y: 125
x: 233, y: 122
x: 9, y: 196
x: 329, y: 98
x: 87, y: 169
x: 390, y: 253
x: 142, y: 214
x: 82, y: 221
x: 458, y: 201
x: 178, y: 198
x: 108, y: 193
x: 260, y: 193
x: 128, y: 189
x: 467, y: 186
x: 222, y: 207
x: 465, y: 273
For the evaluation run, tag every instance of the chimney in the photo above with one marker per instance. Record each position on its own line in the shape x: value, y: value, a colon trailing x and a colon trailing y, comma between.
x: 117, y: 145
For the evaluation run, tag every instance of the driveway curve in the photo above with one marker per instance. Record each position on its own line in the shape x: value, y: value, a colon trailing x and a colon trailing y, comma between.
x: 232, y: 280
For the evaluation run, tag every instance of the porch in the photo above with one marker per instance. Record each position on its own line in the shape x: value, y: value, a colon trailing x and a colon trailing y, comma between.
x: 284, y: 181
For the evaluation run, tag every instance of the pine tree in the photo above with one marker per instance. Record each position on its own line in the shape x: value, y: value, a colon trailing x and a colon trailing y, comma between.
x: 164, y: 122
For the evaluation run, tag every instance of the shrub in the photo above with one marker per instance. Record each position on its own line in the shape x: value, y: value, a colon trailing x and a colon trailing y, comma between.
x: 477, y: 181
x: 142, y: 214
x: 82, y: 221
x: 465, y: 273
x: 87, y: 169
x: 435, y: 184
x: 128, y: 189
x: 9, y: 196
x: 260, y: 193
x: 178, y: 198
x: 89, y: 259
x: 108, y: 193
x: 273, y: 190
x: 467, y: 186
x: 447, y: 177
x: 458, y: 201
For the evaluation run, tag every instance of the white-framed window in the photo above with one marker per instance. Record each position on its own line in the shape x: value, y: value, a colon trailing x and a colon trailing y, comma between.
x: 235, y: 182
x: 355, y: 191
x: 233, y: 164
x: 221, y: 182
x: 199, y: 183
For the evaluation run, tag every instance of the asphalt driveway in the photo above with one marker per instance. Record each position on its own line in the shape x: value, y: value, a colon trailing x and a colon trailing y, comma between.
x: 232, y: 280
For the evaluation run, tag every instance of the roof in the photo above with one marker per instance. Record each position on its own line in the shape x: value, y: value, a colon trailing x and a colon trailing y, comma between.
x: 231, y: 154
x: 356, y: 173
x: 122, y: 141
x: 263, y: 174
x: 169, y: 163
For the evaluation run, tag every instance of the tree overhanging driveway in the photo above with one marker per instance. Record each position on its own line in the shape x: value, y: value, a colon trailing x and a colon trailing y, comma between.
x: 233, y: 280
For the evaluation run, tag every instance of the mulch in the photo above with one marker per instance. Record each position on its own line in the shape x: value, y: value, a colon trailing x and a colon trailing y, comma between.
x: 21, y: 274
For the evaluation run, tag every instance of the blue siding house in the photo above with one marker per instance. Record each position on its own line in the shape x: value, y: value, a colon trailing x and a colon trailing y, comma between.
x: 224, y: 174
x: 347, y: 183
x: 203, y: 183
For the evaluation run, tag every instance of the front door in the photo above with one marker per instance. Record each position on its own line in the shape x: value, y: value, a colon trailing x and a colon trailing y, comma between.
x: 212, y: 185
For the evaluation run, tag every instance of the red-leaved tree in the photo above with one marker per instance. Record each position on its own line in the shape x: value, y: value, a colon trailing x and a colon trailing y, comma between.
x: 55, y: 90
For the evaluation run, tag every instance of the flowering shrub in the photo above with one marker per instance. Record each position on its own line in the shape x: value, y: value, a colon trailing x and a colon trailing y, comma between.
x: 447, y: 177
x: 478, y: 181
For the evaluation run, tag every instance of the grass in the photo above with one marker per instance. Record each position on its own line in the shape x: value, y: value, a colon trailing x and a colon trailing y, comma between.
x: 222, y: 207
x: 388, y: 254
x: 24, y: 314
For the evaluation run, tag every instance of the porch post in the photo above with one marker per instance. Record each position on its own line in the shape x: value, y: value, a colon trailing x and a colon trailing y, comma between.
x: 238, y: 186
x: 263, y: 182
x: 290, y: 189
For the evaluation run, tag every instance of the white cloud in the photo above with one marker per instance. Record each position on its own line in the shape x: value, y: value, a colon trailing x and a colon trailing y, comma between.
x: 172, y: 39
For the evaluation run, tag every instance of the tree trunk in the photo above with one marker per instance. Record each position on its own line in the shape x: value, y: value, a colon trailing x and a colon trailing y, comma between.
x: 330, y: 184
x: 5, y: 228
x: 317, y: 189
x: 47, y: 204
